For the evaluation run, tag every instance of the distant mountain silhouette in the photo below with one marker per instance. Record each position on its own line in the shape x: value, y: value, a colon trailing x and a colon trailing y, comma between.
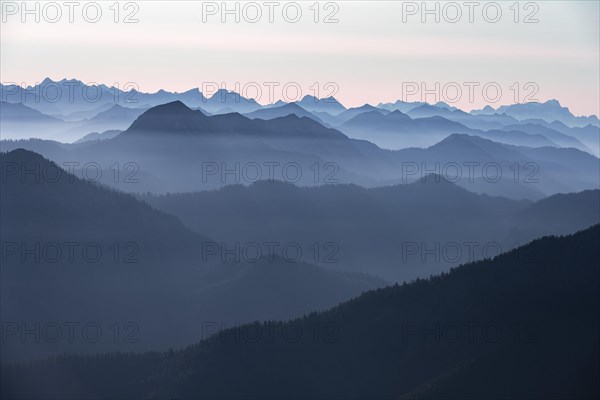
x: 522, y: 325
x: 353, y: 112
x: 376, y: 117
x: 173, y: 117
x: 518, y: 138
x: 397, y: 130
x: 427, y: 110
x: 18, y: 112
x: 87, y: 114
x: 99, y: 136
x: 176, y: 117
x: 282, y: 111
x: 115, y: 118
x: 549, y: 111
x: 445, y: 105
x: 427, y: 124
x: 330, y: 105
x: 589, y: 135
x: 557, y: 137
x: 97, y: 97
x: 119, y: 113
x: 229, y: 101
x: 544, y: 169
x: 481, y: 121
x: 400, y: 105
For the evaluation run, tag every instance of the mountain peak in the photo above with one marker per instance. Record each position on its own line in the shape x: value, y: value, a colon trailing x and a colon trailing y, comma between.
x: 170, y: 117
x: 330, y: 99
x: 441, y: 104
x: 192, y: 91
x: 366, y: 106
x: 24, y: 155
x: 26, y: 160
x: 293, y: 106
x: 174, y: 106
x: 327, y: 100
x: 433, y: 178
x: 309, y: 97
x: 458, y: 140
x: 223, y: 93
x: 397, y: 114
x: 291, y: 117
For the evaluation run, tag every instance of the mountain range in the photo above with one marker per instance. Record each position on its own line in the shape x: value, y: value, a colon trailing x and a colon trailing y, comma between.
x: 318, y: 154
x: 386, y: 231
x: 530, y: 124
x: 549, y: 111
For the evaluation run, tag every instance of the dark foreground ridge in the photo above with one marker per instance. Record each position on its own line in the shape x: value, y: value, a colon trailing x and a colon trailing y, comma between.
x: 522, y: 325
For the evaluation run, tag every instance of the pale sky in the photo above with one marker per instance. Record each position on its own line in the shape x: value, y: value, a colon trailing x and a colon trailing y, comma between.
x: 370, y: 55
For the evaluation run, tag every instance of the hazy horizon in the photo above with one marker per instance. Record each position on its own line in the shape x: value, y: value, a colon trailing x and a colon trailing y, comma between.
x: 368, y: 54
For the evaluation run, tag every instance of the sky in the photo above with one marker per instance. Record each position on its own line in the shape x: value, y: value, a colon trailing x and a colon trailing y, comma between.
x: 492, y: 53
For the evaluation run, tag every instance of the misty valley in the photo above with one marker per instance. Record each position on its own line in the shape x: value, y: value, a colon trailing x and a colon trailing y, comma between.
x: 299, y: 200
